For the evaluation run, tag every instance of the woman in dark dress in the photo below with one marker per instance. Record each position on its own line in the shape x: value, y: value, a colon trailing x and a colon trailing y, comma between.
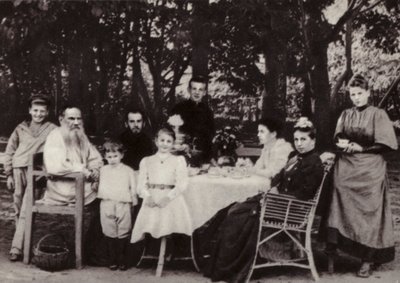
x: 231, y: 236
x: 360, y: 220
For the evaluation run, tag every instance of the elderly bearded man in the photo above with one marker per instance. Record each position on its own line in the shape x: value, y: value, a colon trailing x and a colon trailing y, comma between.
x: 67, y: 149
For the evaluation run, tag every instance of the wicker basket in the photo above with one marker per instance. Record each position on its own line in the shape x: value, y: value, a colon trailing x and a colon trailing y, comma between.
x: 51, y: 257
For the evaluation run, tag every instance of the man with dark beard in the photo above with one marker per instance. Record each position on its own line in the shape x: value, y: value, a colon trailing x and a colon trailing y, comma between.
x: 136, y: 142
x: 67, y: 149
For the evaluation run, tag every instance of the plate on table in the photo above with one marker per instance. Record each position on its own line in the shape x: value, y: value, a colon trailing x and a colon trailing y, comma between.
x: 237, y: 176
x: 240, y: 176
x: 213, y: 176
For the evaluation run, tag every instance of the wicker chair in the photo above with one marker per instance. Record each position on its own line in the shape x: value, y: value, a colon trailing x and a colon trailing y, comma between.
x: 295, y: 218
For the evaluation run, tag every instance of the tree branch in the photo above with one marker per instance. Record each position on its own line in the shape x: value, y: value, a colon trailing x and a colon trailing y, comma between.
x: 351, y: 11
x: 371, y: 6
x: 338, y: 85
x: 392, y: 87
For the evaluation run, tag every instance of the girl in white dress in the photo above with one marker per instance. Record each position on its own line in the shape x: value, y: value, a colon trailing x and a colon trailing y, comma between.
x: 162, y: 179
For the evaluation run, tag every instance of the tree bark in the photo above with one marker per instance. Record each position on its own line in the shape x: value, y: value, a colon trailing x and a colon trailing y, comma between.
x: 307, y: 105
x: 74, y: 73
x: 275, y: 79
x: 200, y: 38
x: 321, y: 87
x: 101, y: 92
x: 275, y: 52
x: 344, y: 78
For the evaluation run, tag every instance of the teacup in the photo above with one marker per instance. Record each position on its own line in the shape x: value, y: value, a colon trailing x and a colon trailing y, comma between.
x: 205, y: 166
x: 343, y: 142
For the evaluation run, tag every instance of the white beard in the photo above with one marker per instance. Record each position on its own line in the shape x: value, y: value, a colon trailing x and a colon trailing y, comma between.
x: 76, y: 142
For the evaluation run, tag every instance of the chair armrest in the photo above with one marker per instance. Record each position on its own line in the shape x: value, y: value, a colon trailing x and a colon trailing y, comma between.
x: 79, y: 179
x: 288, y: 198
x: 67, y: 176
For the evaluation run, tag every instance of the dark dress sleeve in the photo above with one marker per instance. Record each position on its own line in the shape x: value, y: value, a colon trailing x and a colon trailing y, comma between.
x: 339, y: 131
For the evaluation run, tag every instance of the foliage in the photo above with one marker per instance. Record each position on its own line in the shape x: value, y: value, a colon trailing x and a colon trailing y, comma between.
x: 225, y: 143
x: 90, y: 50
x: 380, y: 68
x: 106, y: 55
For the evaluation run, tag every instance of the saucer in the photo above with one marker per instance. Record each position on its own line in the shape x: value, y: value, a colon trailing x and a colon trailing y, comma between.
x: 213, y: 176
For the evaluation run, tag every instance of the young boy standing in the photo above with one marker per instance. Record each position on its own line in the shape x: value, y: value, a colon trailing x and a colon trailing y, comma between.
x: 117, y: 191
x: 28, y: 138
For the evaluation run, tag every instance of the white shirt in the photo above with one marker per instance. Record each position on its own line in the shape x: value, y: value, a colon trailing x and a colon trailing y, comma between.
x: 117, y: 183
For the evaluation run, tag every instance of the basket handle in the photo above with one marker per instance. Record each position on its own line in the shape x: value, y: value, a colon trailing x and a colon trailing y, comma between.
x: 51, y: 235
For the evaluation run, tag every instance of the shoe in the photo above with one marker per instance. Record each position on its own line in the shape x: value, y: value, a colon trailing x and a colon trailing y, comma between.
x: 15, y: 257
x: 122, y: 267
x: 376, y: 266
x: 113, y: 267
x: 365, y: 270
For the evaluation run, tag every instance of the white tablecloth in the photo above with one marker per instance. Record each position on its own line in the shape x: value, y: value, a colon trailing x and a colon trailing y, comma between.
x: 205, y: 196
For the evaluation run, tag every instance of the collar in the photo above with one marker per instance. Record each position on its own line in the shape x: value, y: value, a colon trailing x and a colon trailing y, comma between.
x: 201, y: 104
x: 118, y: 166
x: 362, y: 108
x: 306, y: 154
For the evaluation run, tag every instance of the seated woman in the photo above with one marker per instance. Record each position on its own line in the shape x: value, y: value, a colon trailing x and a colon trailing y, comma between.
x: 233, y: 245
x: 303, y: 172
x: 300, y: 178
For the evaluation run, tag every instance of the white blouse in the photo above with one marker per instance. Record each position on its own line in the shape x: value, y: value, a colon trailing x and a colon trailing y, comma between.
x: 273, y: 158
x: 157, y: 170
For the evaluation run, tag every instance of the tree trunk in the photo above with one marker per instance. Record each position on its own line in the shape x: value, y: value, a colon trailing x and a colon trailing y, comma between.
x: 139, y: 95
x: 59, y: 92
x: 74, y: 74
x: 307, y: 106
x: 101, y: 92
x: 123, y: 61
x: 200, y: 38
x: 86, y: 100
x: 336, y: 102
x: 321, y: 89
x: 275, y: 53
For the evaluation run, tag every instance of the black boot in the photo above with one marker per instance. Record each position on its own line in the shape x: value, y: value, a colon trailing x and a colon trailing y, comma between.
x: 112, y: 246
x: 122, y: 253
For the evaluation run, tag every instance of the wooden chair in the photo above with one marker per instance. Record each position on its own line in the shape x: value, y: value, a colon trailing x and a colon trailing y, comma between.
x: 35, y: 172
x: 294, y: 218
x: 161, y: 256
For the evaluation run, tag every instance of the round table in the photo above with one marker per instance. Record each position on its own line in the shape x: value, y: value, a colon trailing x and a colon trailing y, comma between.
x: 206, y: 194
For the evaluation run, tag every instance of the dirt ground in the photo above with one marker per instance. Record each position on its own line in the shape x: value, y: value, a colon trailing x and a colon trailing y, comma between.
x: 184, y: 272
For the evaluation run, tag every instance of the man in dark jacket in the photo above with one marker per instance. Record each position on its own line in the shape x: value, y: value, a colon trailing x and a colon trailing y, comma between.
x: 136, y: 142
x: 198, y: 118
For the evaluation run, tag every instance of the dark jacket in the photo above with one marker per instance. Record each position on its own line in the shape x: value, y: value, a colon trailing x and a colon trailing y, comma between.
x: 137, y: 146
x: 198, y: 124
x: 301, y: 176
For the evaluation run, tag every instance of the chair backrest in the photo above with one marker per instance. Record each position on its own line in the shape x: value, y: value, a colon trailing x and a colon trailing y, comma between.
x: 327, y: 169
x: 37, y: 173
x: 288, y: 211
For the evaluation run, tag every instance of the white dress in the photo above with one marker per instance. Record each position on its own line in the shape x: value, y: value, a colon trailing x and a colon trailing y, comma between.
x: 173, y: 218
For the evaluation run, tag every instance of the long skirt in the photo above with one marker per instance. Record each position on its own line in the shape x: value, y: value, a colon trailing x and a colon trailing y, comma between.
x: 232, y: 245
x: 360, y: 220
